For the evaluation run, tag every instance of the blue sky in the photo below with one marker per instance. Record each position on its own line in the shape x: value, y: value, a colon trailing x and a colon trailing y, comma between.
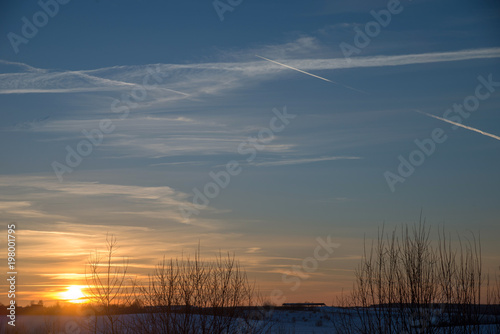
x: 207, y: 93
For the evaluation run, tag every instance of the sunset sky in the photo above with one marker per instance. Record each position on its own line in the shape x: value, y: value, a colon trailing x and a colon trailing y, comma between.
x: 162, y: 97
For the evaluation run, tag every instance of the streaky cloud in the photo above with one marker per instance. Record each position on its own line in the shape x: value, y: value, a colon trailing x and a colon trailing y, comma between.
x: 313, y: 75
x: 304, y: 161
x: 208, y: 78
x: 460, y: 125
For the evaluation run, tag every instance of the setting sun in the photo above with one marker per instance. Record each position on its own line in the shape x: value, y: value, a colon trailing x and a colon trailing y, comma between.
x: 74, y: 294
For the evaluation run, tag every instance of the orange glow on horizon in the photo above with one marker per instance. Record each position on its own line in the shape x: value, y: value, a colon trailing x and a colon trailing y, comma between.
x: 74, y: 294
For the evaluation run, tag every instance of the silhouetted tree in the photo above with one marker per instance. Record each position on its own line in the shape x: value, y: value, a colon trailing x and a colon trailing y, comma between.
x: 106, y: 280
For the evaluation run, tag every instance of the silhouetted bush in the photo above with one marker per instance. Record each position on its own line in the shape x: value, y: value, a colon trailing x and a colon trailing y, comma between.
x: 412, y: 285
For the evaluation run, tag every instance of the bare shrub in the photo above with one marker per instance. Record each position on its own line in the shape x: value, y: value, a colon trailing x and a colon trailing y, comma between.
x: 191, y: 295
x: 409, y: 284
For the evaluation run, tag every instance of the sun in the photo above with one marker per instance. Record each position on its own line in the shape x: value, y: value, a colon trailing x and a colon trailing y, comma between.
x: 74, y: 294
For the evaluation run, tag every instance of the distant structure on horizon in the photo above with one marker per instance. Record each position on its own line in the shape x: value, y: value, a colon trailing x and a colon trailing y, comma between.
x: 39, y: 304
x: 303, y: 305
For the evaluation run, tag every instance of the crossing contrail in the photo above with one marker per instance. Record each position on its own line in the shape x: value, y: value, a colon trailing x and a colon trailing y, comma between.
x: 460, y: 125
x: 313, y: 75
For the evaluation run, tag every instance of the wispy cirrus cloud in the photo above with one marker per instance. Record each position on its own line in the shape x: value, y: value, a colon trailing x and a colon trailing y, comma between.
x: 47, y: 200
x: 26, y: 210
x: 259, y: 68
x: 194, y: 80
x: 156, y: 137
x: 12, y: 66
x: 299, y: 161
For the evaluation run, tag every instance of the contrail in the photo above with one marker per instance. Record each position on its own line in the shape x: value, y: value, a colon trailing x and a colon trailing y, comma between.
x: 460, y: 125
x: 316, y: 76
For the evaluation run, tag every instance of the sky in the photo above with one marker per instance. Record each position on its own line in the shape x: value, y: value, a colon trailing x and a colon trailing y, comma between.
x: 265, y: 129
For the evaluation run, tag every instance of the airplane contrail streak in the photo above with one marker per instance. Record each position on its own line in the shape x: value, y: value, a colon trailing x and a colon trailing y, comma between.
x: 313, y: 75
x: 460, y: 125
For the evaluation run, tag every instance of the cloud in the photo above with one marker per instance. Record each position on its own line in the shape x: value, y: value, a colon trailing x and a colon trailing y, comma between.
x: 300, y: 47
x: 461, y: 125
x: 7, y: 66
x: 253, y: 250
x: 259, y: 68
x: 312, y: 75
x: 25, y: 210
x: 46, y: 200
x: 195, y: 80
x: 413, y: 59
x: 179, y: 163
x: 157, y: 137
x: 303, y: 161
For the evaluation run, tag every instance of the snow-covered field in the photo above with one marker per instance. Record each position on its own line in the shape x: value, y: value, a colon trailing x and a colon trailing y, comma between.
x: 279, y: 322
